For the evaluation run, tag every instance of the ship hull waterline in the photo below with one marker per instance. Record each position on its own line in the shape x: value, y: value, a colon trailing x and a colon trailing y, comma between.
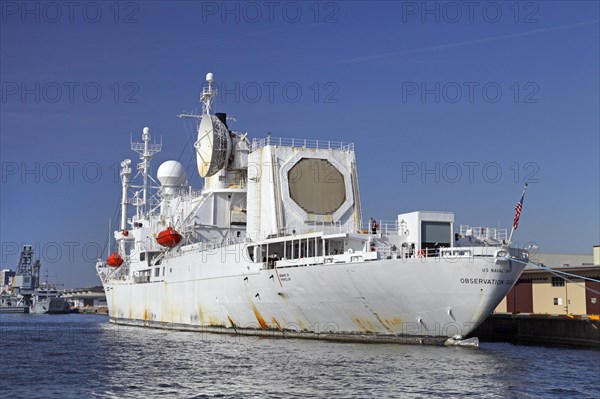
x: 411, y: 300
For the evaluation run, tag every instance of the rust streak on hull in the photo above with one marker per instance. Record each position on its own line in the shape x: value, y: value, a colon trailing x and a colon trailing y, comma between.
x: 364, y: 325
x: 200, y: 314
x: 259, y: 318
x: 277, y: 324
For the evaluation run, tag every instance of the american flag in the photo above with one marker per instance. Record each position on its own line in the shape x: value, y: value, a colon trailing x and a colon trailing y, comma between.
x: 518, y: 209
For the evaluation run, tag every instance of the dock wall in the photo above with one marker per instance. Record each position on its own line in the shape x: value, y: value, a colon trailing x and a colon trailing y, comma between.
x: 540, y: 330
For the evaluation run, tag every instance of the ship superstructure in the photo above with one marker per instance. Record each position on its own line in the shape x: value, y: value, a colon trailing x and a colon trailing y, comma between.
x: 275, y: 243
x: 25, y: 294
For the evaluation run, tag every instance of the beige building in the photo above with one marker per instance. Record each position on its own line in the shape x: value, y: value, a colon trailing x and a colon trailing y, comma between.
x: 541, y: 292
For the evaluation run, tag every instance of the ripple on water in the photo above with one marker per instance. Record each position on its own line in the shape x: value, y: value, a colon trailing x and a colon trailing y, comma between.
x: 74, y: 356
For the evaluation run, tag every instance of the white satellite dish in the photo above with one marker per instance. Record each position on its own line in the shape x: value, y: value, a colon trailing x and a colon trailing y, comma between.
x: 213, y: 146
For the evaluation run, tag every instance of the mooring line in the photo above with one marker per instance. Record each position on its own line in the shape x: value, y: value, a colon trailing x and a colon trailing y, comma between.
x: 556, y: 273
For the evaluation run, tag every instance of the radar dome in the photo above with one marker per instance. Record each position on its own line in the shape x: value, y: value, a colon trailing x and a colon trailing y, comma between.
x: 171, y: 174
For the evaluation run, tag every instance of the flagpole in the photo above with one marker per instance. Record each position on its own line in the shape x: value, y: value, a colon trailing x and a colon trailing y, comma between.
x: 513, y: 226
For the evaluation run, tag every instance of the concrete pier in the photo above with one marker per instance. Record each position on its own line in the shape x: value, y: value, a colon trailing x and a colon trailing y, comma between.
x: 101, y: 310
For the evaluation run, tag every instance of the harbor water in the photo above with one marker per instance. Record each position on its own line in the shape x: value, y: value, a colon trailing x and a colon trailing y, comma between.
x: 76, y: 356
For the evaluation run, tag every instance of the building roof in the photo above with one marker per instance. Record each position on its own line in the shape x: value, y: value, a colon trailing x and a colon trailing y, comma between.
x: 96, y: 289
x: 531, y: 269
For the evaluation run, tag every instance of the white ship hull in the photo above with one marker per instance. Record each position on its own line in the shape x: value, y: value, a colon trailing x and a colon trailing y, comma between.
x: 433, y: 297
x: 275, y: 243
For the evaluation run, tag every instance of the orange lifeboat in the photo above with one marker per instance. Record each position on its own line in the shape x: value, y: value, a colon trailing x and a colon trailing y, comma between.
x: 114, y: 260
x: 168, y: 238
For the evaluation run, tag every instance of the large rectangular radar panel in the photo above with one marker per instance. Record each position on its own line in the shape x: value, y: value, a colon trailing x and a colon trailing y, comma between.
x: 299, y: 186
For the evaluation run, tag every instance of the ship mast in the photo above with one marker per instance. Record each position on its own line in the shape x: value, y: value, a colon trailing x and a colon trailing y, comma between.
x: 146, y: 151
x: 125, y: 173
x: 208, y: 93
x: 205, y: 98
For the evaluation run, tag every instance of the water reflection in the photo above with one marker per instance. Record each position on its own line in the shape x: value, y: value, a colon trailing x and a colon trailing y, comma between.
x: 79, y: 356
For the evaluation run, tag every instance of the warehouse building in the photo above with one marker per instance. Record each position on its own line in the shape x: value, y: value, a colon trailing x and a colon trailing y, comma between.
x: 86, y: 297
x: 539, y: 291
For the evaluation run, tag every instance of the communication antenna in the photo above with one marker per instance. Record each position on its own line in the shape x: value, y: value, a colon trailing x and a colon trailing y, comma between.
x: 213, y: 145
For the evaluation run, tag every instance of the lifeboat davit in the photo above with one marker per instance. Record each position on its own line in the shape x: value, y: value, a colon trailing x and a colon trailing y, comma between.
x: 168, y: 238
x: 114, y: 260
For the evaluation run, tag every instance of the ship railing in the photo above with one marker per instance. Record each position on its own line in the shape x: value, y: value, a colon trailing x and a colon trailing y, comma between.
x: 331, y: 227
x: 455, y: 252
x: 428, y: 253
x: 386, y: 251
x: 142, y: 276
x: 194, y: 193
x: 389, y: 227
x: 142, y: 146
x: 207, y: 246
x: 314, y: 227
x: 383, y: 227
x: 187, y: 192
x: 301, y: 143
x: 320, y: 260
x: 479, y: 232
x: 141, y: 279
x: 380, y: 227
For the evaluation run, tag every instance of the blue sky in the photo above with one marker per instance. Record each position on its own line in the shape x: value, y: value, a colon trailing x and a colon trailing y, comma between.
x: 451, y: 107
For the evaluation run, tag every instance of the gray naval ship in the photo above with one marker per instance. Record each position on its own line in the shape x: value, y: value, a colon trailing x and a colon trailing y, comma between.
x: 21, y: 292
x: 275, y: 244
